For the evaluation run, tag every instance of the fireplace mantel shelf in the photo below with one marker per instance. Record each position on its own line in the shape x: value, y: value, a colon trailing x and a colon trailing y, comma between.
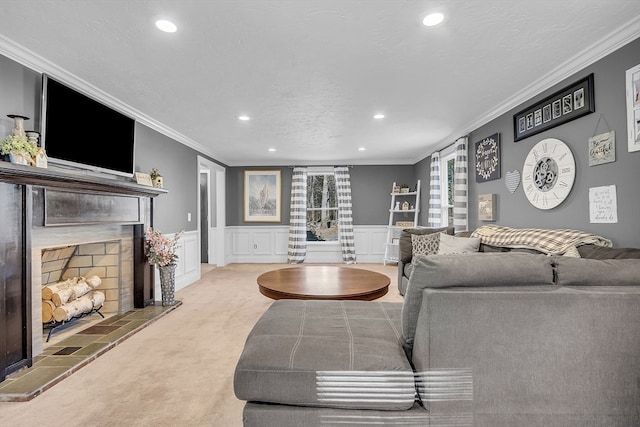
x: 29, y: 175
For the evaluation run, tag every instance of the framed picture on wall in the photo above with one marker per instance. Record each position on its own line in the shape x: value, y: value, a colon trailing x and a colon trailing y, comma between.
x: 633, y: 107
x: 487, y: 207
x: 571, y: 102
x: 262, y: 195
x: 488, y: 158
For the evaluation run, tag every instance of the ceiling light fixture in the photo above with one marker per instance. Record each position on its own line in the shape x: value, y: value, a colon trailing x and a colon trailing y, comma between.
x: 379, y: 116
x: 361, y: 149
x: 166, y: 26
x: 272, y: 149
x: 244, y: 118
x: 433, y: 19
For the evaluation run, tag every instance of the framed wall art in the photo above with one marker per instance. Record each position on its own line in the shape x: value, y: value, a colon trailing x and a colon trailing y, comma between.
x: 488, y: 158
x: 573, y: 101
x: 633, y: 107
x: 602, y: 148
x: 487, y: 207
x: 262, y: 195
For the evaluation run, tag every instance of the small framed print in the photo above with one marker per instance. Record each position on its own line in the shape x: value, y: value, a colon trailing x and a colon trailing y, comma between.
x: 602, y: 148
x: 487, y: 207
x: 488, y: 158
x: 633, y: 107
x: 571, y: 102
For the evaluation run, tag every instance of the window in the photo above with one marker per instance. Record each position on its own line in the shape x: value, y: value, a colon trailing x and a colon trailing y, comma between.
x: 447, y: 170
x: 322, y: 206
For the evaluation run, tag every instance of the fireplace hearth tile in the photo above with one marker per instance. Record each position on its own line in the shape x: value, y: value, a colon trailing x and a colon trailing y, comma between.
x: 50, y: 368
x: 66, y: 351
x: 98, y: 330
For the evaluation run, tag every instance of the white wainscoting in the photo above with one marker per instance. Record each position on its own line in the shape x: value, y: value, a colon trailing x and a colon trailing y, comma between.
x: 188, y: 268
x: 268, y: 244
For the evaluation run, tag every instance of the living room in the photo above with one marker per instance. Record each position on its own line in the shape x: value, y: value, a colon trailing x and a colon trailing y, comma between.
x: 232, y: 240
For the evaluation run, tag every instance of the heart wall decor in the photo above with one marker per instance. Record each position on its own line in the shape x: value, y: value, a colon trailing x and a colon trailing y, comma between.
x: 512, y: 180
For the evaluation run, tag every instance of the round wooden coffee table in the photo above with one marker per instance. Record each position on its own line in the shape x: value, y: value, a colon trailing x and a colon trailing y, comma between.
x: 323, y: 282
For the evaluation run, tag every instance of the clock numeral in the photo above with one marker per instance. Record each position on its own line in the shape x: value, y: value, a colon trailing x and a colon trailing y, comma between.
x: 544, y: 200
x: 562, y: 157
x: 562, y: 184
x: 529, y: 188
x: 528, y: 177
x: 566, y: 170
x: 535, y: 197
x: 535, y: 155
x: 544, y: 147
x: 555, y: 195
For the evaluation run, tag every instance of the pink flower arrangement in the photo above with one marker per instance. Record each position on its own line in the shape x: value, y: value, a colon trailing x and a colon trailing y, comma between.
x: 161, y: 250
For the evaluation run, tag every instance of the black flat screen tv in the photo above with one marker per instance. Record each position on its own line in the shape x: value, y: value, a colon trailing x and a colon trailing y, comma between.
x: 80, y: 132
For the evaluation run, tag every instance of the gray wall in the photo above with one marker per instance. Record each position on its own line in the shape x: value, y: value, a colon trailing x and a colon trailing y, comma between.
x: 178, y: 165
x: 370, y: 189
x: 20, y: 93
x: 515, y: 210
x: 20, y: 90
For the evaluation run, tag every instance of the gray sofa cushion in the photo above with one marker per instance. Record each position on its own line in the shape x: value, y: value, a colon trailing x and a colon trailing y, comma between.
x: 597, y: 272
x: 338, y: 354
x: 469, y: 270
x: 602, y: 252
x: 266, y: 415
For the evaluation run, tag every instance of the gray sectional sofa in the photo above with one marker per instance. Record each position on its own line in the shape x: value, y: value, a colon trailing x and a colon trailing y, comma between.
x: 491, y: 339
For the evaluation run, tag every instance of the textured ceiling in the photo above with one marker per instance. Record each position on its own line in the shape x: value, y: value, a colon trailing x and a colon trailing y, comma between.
x: 311, y: 74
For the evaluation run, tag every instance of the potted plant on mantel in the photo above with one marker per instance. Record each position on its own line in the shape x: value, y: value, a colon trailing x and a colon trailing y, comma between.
x: 18, y: 149
x: 161, y: 252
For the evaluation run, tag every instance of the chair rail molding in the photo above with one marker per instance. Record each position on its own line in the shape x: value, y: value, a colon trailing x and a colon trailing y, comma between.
x: 268, y: 244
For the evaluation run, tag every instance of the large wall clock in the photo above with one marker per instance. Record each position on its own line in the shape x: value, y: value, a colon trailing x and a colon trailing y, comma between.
x: 548, y: 173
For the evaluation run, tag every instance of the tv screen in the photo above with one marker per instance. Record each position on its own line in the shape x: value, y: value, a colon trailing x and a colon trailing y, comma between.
x: 81, y: 132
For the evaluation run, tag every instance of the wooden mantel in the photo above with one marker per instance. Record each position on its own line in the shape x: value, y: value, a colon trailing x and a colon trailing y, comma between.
x: 29, y: 175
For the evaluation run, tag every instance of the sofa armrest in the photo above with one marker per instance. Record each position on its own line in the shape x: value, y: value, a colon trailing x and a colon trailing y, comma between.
x: 400, y: 276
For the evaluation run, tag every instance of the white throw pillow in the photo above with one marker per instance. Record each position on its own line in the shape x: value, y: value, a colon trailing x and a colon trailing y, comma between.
x: 458, y: 245
x: 425, y: 244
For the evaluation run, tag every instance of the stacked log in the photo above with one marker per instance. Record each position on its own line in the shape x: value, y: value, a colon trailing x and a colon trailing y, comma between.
x: 47, y: 310
x: 65, y: 300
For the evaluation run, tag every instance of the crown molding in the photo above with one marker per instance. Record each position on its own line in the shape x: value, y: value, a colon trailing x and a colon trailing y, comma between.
x: 37, y: 63
x: 586, y: 57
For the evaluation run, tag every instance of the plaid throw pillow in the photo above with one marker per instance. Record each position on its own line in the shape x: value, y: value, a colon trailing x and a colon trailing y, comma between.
x: 425, y: 244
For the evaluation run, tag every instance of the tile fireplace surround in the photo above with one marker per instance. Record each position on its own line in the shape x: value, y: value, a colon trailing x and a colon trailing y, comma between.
x: 48, y: 208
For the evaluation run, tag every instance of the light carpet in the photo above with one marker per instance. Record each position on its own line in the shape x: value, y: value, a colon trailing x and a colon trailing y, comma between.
x: 176, y: 372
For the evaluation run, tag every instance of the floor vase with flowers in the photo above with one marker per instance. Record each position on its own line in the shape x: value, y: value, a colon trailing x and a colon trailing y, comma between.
x: 168, y: 284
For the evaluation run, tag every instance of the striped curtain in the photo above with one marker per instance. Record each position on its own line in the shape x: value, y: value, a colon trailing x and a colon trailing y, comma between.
x: 345, y: 218
x: 460, y: 186
x: 435, y: 211
x: 298, y: 220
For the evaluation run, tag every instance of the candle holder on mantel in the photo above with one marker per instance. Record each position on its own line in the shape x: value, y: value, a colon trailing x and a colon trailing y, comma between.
x: 18, y: 124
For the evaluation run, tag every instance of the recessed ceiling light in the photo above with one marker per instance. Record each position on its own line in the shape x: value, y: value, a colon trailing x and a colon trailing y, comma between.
x: 379, y: 116
x: 433, y: 19
x: 361, y: 149
x: 166, y: 26
x: 272, y: 149
x: 244, y: 118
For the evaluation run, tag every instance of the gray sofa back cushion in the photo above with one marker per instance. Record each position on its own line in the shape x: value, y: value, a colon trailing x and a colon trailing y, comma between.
x: 597, y: 272
x: 602, y: 252
x: 469, y: 270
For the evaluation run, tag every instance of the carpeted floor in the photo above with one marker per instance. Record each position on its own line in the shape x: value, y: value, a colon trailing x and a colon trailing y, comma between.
x: 176, y: 372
